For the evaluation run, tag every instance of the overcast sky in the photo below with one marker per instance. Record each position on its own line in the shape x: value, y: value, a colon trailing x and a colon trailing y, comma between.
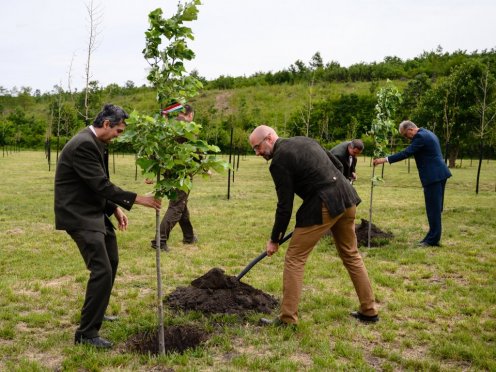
x: 39, y: 39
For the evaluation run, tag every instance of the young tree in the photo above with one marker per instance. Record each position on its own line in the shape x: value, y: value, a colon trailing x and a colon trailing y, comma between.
x: 167, y: 147
x: 383, y: 127
x: 95, y: 19
x: 486, y: 109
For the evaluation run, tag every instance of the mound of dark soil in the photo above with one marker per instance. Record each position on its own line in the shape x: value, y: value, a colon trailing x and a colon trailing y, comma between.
x: 217, y: 293
x: 377, y: 236
x: 176, y: 339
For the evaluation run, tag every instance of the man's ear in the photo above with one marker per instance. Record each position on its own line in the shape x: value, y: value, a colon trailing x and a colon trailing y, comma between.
x: 106, y: 124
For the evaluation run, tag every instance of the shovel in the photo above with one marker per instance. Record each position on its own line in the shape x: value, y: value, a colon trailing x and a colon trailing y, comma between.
x: 262, y: 255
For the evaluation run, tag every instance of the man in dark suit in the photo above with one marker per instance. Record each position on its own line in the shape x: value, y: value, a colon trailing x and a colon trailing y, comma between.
x: 84, y: 200
x: 432, y: 170
x: 301, y: 166
x: 347, y: 153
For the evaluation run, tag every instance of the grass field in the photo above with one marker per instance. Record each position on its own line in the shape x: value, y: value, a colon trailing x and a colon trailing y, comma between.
x: 437, y: 305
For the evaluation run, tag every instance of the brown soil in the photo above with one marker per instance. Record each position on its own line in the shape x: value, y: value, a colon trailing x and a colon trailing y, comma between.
x: 377, y: 236
x: 176, y: 339
x: 215, y: 293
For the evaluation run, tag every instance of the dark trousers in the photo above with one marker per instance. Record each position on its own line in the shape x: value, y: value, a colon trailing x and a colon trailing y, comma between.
x: 177, y: 212
x: 101, y: 257
x: 434, y: 203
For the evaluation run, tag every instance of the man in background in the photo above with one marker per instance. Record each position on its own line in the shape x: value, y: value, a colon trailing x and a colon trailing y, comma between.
x: 177, y: 211
x: 85, y: 199
x: 347, y: 153
x: 433, y: 174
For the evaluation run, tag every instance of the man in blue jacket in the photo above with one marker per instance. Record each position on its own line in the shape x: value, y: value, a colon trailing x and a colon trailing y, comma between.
x: 432, y: 170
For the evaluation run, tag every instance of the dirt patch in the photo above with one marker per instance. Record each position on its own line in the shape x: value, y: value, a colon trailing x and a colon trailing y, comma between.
x: 222, y: 102
x: 377, y: 236
x: 176, y: 339
x: 217, y: 293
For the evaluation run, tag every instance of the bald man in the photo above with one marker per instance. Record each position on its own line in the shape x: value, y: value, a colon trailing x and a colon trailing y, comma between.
x: 301, y: 166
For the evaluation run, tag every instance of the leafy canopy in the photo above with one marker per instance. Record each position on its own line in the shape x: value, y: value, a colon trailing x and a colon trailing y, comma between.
x: 383, y: 126
x: 166, y: 146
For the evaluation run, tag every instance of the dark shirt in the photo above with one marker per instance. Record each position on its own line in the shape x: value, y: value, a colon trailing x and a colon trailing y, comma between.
x: 301, y: 166
x: 341, y: 152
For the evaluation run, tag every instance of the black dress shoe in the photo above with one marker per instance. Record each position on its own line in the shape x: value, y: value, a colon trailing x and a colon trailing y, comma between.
x: 276, y: 323
x: 425, y: 244
x: 163, y: 246
x: 110, y: 318
x: 364, y: 318
x: 97, y: 342
x: 190, y: 241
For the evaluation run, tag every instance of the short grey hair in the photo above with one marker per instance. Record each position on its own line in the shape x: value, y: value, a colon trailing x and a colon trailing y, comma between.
x: 113, y: 113
x: 405, y: 125
x: 357, y: 144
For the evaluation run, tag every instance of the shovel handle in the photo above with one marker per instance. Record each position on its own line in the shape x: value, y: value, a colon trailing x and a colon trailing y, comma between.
x: 259, y: 257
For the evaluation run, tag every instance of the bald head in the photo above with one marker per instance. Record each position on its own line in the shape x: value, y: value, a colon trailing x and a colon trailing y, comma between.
x: 262, y: 141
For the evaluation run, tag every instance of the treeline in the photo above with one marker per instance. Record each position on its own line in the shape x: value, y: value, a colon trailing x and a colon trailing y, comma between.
x: 434, y: 64
x: 452, y: 94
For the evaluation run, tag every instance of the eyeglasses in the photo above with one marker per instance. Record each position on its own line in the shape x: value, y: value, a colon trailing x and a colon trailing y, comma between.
x: 257, y: 146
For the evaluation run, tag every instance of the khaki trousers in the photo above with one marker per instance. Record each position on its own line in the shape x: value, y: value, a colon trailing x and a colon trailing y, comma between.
x: 301, y: 245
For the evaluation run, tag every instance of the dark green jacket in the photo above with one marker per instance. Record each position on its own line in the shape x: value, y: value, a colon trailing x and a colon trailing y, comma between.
x: 301, y: 166
x: 84, y: 194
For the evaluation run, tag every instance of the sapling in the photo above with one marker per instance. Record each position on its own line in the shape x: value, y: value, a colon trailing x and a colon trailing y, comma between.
x: 164, y: 146
x: 382, y: 128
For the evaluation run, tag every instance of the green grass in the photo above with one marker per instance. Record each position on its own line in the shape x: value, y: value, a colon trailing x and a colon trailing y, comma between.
x: 437, y: 305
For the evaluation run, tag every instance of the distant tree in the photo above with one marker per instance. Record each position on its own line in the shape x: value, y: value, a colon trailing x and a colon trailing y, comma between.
x: 412, y: 94
x: 94, y: 18
x: 130, y: 84
x: 485, y: 107
x: 448, y: 108
x: 316, y: 62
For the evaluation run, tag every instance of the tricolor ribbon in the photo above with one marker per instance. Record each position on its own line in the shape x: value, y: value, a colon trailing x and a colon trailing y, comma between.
x: 172, y: 108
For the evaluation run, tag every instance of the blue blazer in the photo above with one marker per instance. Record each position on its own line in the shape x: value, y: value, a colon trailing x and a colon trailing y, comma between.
x: 426, y: 150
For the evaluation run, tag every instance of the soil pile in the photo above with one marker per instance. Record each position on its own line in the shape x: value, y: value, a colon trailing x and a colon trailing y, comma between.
x: 216, y: 293
x: 377, y: 236
x: 176, y: 339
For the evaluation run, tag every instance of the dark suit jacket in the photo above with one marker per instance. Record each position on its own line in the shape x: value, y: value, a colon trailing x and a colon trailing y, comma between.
x: 301, y: 166
x: 341, y: 152
x: 83, y: 191
x: 426, y: 150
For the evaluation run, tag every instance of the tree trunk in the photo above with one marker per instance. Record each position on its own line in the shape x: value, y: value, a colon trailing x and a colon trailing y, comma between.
x: 160, y: 303
x: 370, y: 208
x: 453, y: 155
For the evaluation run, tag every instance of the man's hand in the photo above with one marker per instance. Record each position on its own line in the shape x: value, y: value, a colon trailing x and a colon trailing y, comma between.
x: 121, y: 219
x: 271, y: 247
x: 149, y: 201
x: 353, y: 176
x: 379, y: 161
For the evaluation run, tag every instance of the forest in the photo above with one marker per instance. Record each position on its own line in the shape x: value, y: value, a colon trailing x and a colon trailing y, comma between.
x: 452, y: 94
